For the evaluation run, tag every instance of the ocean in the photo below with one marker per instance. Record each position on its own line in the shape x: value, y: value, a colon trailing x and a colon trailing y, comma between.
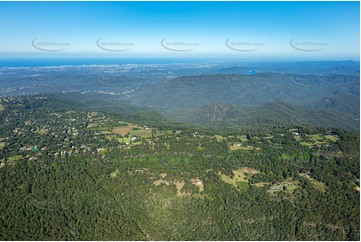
x: 35, y: 62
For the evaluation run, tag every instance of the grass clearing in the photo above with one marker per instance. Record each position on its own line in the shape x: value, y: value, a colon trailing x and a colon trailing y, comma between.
x: 124, y: 140
x: 292, y: 188
x: 290, y: 185
x: 200, y: 148
x: 316, y: 184
x: 123, y: 130
x: 42, y: 131
x: 250, y: 171
x: 132, y: 130
x: 239, y: 176
x: 142, y: 132
x: 306, y: 144
x: 21, y: 186
x: 161, y: 182
x: 261, y: 184
x: 197, y: 182
x: 92, y: 125
x: 317, y: 139
x: 15, y: 158
x: 179, y: 185
x: 243, y: 138
x: 297, y: 137
x: 2, y: 145
x: 268, y: 137
x: 106, y: 132
x: 219, y: 137
x: 332, y: 138
x: 238, y: 146
x: 114, y: 173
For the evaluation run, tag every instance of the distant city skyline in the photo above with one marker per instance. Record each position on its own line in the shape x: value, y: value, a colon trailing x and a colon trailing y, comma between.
x: 253, y: 30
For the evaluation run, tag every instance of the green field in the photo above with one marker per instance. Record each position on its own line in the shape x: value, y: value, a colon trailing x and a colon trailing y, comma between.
x: 14, y: 158
x: 239, y: 146
x: 317, y: 139
x: 239, y: 176
x: 317, y: 184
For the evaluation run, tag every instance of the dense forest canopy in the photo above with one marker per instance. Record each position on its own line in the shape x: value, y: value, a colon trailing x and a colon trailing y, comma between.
x: 69, y: 173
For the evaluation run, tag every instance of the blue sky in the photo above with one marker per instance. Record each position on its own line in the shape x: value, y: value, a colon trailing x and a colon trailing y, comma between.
x: 319, y: 30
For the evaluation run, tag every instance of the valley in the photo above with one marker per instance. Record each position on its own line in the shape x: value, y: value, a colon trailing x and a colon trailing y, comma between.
x: 198, y: 94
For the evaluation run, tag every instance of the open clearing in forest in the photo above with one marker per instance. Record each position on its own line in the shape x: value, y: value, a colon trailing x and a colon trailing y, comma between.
x: 133, y: 130
x: 332, y: 138
x: 123, y: 130
x: 128, y: 132
x: 239, y: 175
x: 261, y: 184
x: 199, y: 183
x: 179, y: 184
x: 42, y: 131
x: 15, y: 158
x: 289, y: 186
x: 2, y: 145
x: 238, y: 146
x: 316, y: 184
x: 160, y: 182
x: 243, y: 138
x: 219, y: 137
x: 114, y: 173
x: 317, y: 139
x: 142, y: 132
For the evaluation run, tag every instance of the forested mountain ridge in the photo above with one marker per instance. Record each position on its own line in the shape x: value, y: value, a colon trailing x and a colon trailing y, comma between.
x: 323, y: 94
x: 224, y: 115
x: 243, y: 90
